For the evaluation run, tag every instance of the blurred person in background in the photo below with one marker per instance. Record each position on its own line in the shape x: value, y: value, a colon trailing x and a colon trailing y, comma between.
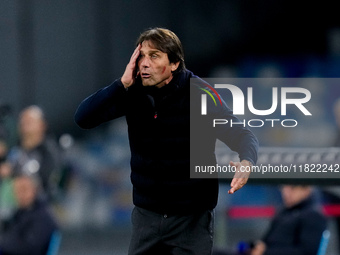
x: 7, y: 200
x: 5, y: 111
x: 298, y: 228
x: 337, y: 120
x: 36, y: 153
x: 3, y: 150
x: 331, y: 194
x: 173, y: 214
x: 29, y: 230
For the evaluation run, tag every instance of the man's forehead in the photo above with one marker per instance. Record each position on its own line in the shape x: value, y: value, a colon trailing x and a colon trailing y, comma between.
x: 150, y: 45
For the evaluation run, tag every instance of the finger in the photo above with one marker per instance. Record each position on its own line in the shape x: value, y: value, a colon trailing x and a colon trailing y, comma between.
x: 234, y: 188
x: 137, y: 50
x: 231, y: 191
x: 237, y: 183
x: 240, y: 178
x: 134, y: 59
x: 240, y: 182
x: 135, y: 54
x: 233, y: 182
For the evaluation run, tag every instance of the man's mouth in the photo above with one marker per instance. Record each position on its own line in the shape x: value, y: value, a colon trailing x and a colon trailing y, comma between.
x: 145, y: 75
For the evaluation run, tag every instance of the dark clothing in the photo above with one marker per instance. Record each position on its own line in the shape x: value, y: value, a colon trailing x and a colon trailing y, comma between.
x: 296, y: 230
x: 337, y: 140
x: 43, y: 160
x: 29, y: 231
x: 330, y: 195
x: 159, y: 135
x: 164, y: 234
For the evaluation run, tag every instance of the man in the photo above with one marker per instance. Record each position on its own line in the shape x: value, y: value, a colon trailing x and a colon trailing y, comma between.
x: 31, y: 227
x: 331, y: 194
x: 7, y: 199
x: 36, y: 153
x: 173, y: 213
x: 297, y: 229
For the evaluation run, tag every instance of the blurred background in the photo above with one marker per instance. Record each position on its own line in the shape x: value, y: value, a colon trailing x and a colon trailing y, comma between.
x: 55, y: 53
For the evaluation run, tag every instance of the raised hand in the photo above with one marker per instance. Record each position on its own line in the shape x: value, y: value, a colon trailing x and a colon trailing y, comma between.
x: 130, y: 73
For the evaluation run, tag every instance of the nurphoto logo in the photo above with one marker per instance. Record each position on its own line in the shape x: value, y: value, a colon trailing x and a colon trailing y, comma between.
x: 294, y: 96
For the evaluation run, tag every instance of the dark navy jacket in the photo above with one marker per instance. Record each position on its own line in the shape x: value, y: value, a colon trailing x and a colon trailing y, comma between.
x: 29, y: 231
x: 159, y: 135
x: 296, y: 230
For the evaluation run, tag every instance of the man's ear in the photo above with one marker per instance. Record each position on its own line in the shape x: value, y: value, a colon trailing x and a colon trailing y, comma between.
x: 174, y: 66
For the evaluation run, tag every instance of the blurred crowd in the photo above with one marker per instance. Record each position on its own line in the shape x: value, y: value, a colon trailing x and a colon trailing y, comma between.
x: 29, y: 175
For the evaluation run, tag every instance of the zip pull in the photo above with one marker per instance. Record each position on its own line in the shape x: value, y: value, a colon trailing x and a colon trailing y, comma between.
x: 155, y: 116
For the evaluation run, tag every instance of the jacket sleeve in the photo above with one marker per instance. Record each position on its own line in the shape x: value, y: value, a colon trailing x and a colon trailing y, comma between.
x: 235, y: 134
x: 106, y: 104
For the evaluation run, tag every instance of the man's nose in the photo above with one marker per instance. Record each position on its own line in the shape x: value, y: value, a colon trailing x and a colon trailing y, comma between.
x: 145, y: 62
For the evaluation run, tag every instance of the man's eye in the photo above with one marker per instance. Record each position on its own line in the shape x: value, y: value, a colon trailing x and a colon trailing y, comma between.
x: 154, y: 56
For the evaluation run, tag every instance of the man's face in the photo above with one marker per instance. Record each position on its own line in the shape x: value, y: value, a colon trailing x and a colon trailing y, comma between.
x: 154, y: 66
x: 25, y: 191
x: 31, y: 123
x: 293, y: 195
